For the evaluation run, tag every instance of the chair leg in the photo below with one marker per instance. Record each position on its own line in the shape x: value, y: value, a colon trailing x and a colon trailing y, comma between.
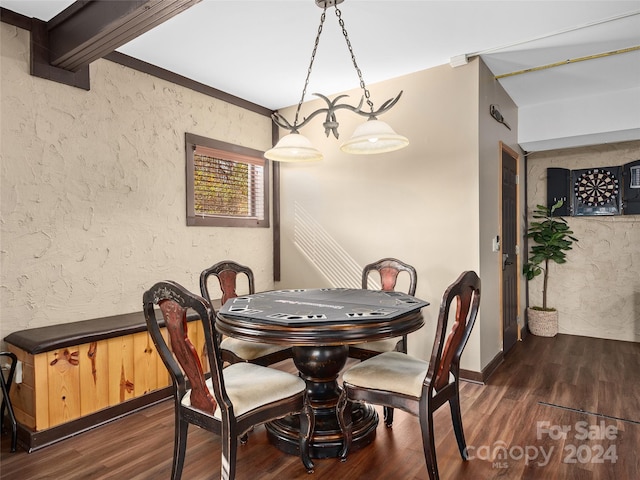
x: 14, y: 428
x: 388, y: 416
x: 307, y: 424
x: 179, y: 447
x: 388, y: 411
x: 2, y: 410
x: 456, y: 418
x: 229, y: 452
x: 6, y: 402
x: 343, y: 411
x: 428, y: 444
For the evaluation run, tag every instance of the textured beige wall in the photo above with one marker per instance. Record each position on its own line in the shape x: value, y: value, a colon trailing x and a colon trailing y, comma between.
x: 419, y: 204
x: 93, y: 190
x: 597, y: 292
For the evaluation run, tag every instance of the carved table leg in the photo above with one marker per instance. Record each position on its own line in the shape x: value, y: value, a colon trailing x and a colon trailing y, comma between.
x: 320, y: 366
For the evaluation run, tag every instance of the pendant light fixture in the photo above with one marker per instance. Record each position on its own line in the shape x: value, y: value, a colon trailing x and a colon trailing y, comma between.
x: 374, y: 136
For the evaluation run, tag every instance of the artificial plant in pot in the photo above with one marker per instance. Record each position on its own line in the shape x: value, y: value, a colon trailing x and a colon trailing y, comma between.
x: 552, y: 238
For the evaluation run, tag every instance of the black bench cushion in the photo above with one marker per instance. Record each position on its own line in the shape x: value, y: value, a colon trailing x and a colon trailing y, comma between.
x: 53, y: 337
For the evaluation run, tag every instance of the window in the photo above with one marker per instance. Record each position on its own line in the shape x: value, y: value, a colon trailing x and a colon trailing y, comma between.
x: 227, y: 185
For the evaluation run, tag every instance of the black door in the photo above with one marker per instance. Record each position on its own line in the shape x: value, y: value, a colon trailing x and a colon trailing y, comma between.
x: 509, y: 243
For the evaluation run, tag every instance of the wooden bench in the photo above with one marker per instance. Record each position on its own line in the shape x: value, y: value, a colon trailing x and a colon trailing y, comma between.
x: 79, y: 375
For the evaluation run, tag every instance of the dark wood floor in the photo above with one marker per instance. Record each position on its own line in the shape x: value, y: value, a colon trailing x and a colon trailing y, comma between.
x: 545, y: 384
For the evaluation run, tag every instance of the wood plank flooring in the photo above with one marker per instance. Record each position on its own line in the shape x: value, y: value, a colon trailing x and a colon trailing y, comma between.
x: 580, y: 384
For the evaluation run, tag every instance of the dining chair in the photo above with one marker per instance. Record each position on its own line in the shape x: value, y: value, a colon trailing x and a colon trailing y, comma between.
x: 414, y: 385
x: 229, y: 401
x: 234, y: 350
x: 388, y: 269
x: 5, y: 385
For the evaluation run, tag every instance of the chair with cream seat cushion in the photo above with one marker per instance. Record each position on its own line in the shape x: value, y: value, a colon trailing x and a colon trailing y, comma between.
x: 419, y: 387
x: 389, y: 269
x: 229, y: 401
x: 234, y: 350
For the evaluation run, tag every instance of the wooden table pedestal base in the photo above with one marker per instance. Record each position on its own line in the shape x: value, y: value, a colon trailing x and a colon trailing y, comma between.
x: 320, y: 366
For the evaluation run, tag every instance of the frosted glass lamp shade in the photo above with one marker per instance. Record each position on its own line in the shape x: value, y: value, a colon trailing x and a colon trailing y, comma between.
x: 374, y: 136
x: 294, y: 148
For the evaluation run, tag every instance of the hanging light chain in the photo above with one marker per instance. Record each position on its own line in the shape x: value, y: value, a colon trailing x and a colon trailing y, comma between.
x: 331, y: 124
x: 313, y: 57
x: 353, y: 58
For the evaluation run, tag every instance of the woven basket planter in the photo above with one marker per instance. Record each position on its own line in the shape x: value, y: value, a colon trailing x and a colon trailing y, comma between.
x: 542, y: 323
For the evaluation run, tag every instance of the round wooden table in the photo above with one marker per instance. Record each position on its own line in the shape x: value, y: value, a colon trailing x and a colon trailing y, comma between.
x: 320, y: 324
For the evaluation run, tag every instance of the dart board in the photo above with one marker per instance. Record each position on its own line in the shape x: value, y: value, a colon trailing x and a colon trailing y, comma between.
x: 596, y: 191
x: 596, y: 187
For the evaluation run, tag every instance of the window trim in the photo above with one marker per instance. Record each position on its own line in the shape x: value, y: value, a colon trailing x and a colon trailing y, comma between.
x: 234, y: 153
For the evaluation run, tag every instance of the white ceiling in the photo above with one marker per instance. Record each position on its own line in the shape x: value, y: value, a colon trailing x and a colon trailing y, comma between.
x: 260, y: 50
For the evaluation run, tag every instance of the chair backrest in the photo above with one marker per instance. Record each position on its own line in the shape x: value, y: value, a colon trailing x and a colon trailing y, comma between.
x: 447, y: 349
x: 227, y: 272
x: 180, y: 355
x: 389, y: 269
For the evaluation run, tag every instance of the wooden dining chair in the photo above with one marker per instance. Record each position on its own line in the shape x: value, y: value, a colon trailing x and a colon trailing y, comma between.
x: 398, y: 380
x: 388, y: 269
x: 5, y: 385
x: 234, y: 350
x: 229, y: 401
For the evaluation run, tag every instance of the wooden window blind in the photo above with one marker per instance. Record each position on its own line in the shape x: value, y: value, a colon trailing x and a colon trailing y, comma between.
x: 227, y: 185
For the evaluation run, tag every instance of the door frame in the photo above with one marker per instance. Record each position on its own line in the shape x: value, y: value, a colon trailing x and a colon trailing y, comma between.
x: 505, y: 149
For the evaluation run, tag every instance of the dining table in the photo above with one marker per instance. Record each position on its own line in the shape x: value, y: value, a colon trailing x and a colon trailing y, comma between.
x: 320, y: 324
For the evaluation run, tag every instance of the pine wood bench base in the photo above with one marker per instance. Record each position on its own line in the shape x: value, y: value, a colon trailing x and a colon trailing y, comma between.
x: 80, y: 375
x: 31, y: 440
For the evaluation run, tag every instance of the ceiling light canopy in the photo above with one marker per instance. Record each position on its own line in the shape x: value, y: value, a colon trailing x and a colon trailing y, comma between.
x: 374, y: 136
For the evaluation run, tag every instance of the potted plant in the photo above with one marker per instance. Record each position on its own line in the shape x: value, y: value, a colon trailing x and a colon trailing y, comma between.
x: 552, y: 238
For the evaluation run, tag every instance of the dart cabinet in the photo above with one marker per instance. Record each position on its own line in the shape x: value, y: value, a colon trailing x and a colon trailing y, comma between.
x: 595, y: 191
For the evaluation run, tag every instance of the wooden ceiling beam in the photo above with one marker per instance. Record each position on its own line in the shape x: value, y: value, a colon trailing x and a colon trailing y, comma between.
x: 63, y: 47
